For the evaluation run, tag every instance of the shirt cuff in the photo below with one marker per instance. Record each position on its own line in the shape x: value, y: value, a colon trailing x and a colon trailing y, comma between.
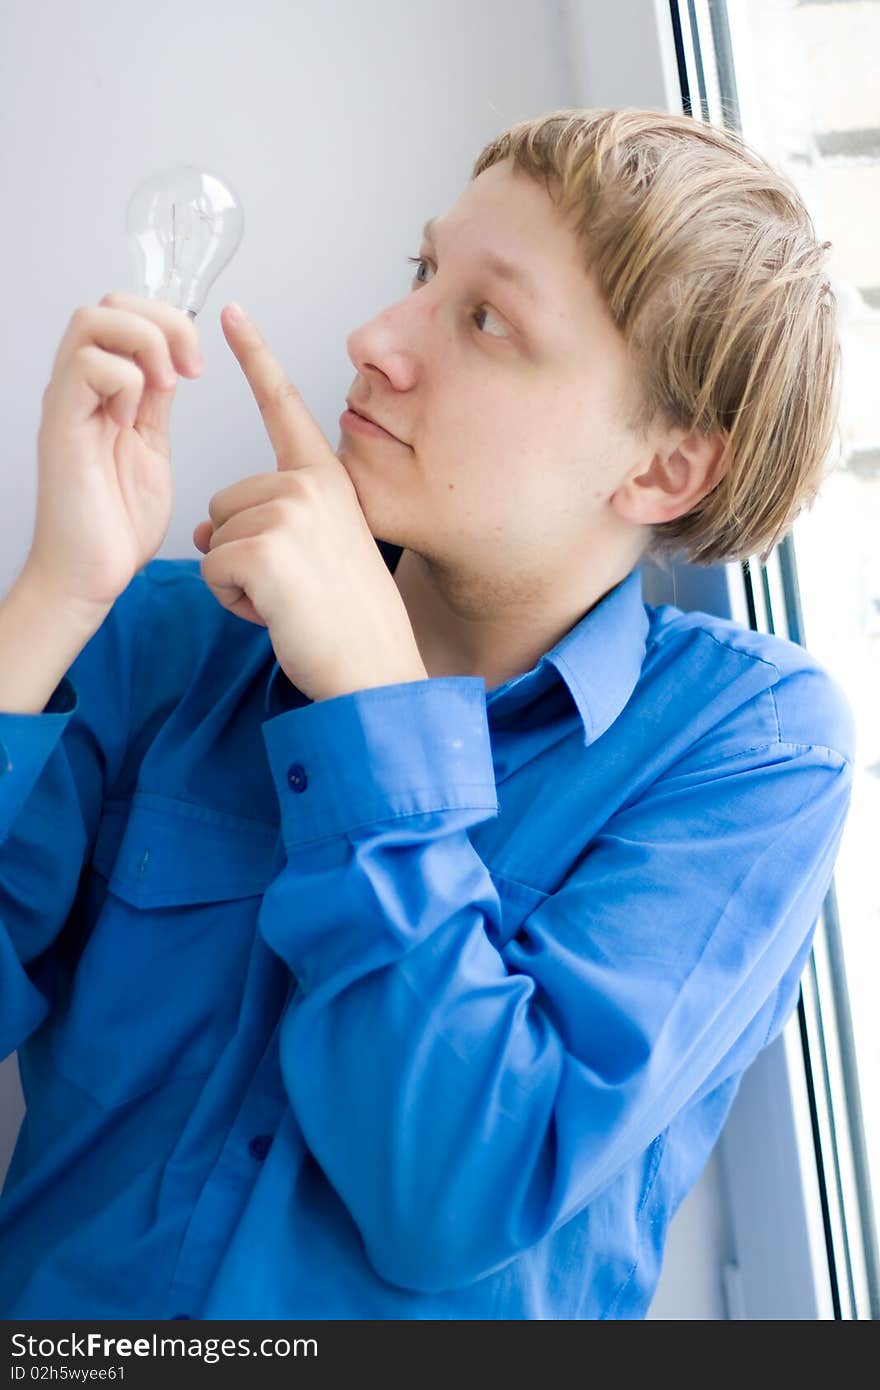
x: 379, y: 753
x: 27, y: 741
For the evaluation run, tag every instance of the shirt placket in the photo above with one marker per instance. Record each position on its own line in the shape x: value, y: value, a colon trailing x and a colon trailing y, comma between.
x: 226, y: 1190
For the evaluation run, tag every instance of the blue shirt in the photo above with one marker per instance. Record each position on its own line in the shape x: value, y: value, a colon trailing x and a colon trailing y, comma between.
x: 424, y: 1001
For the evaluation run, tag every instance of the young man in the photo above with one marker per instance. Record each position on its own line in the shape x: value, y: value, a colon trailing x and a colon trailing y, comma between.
x: 353, y: 979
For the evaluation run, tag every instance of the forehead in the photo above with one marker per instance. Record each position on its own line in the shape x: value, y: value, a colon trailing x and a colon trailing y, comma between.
x: 516, y: 273
x: 513, y: 205
x: 506, y: 224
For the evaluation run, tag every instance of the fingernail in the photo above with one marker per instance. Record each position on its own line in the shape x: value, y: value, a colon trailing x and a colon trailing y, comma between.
x: 235, y: 313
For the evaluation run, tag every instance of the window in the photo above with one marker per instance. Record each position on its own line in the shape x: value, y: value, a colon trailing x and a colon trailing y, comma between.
x: 798, y: 80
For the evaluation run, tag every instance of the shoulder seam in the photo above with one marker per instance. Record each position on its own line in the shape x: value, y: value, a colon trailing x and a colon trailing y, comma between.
x: 737, y: 651
x: 795, y: 747
x: 811, y: 663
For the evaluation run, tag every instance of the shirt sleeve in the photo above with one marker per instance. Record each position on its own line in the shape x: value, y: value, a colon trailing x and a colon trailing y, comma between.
x: 464, y: 1097
x: 54, y: 769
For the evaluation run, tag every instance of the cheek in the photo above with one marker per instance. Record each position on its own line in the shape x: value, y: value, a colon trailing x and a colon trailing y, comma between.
x: 505, y: 453
x: 468, y: 446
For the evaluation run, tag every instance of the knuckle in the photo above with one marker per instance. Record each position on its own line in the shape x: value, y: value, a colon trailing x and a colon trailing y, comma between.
x: 110, y: 299
x: 288, y: 477
x: 84, y: 356
x: 264, y: 546
x: 135, y: 375
x: 305, y: 483
x: 158, y: 338
x: 81, y: 316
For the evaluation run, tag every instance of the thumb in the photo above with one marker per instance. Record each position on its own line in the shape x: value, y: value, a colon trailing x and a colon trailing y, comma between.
x: 153, y: 420
x: 154, y: 411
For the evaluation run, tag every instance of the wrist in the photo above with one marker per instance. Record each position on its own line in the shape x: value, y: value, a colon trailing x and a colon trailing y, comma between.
x: 399, y: 674
x: 30, y: 593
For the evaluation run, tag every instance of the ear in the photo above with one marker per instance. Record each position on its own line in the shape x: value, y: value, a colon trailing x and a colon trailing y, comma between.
x: 683, y: 469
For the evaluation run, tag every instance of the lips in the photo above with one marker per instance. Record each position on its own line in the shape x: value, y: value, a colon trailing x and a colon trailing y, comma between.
x: 366, y: 416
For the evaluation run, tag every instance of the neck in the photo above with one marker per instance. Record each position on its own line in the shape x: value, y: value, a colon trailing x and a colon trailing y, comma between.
x: 475, y: 625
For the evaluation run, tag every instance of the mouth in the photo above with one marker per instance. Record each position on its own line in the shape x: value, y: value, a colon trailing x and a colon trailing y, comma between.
x: 362, y: 415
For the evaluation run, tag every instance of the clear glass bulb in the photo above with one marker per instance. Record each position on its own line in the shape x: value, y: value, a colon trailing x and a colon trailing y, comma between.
x: 184, y: 227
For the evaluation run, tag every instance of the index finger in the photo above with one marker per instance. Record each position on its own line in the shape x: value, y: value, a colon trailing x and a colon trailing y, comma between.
x: 296, y: 437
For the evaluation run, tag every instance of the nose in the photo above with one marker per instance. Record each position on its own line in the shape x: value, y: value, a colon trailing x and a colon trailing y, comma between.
x: 393, y: 342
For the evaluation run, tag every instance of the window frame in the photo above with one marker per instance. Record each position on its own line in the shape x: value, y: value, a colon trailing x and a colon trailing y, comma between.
x: 792, y: 1150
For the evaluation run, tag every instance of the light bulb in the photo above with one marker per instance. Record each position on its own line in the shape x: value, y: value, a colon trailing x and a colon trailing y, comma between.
x: 184, y: 227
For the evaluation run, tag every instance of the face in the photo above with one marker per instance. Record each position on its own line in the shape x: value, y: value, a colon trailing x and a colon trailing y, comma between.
x: 510, y: 400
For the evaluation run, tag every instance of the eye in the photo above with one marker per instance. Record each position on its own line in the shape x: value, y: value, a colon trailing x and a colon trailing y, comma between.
x: 478, y: 313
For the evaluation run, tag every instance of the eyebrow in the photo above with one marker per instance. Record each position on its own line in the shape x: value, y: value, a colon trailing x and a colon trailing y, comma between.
x: 496, y: 265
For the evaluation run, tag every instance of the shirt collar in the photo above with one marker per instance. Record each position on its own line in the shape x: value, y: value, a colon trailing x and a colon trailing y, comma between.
x: 599, y: 660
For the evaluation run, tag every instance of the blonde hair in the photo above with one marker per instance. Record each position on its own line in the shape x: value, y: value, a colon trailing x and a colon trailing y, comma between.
x: 708, y: 262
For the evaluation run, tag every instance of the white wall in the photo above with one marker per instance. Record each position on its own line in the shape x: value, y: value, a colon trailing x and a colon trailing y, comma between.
x: 342, y: 127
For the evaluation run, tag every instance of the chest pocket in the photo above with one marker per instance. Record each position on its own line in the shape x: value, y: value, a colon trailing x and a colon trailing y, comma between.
x: 171, y: 907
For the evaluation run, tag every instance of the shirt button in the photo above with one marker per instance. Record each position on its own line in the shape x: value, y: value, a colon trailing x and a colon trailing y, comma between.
x: 296, y: 777
x: 260, y: 1145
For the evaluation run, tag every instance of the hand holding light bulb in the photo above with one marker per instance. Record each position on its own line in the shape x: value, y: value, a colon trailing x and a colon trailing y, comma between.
x: 105, y: 489
x: 282, y: 549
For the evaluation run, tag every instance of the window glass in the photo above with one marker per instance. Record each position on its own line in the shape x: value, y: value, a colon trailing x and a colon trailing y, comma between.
x: 807, y: 97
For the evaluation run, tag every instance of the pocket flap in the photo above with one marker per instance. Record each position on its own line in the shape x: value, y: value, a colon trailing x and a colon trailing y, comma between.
x: 156, y: 852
